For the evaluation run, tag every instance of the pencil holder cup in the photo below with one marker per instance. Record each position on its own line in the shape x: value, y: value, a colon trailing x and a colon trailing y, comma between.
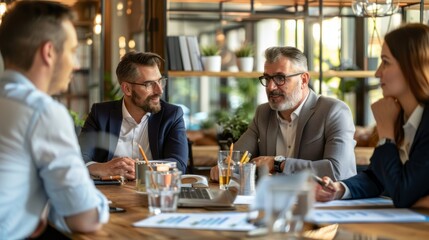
x: 247, y: 178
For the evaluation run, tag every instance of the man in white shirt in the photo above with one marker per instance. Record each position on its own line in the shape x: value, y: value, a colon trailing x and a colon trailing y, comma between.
x: 114, y: 130
x: 41, y: 169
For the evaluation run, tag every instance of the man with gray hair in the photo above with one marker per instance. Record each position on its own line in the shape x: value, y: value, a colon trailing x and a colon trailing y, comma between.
x: 297, y: 129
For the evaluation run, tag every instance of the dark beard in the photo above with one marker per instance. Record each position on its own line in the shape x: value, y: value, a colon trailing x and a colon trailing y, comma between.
x: 145, y: 106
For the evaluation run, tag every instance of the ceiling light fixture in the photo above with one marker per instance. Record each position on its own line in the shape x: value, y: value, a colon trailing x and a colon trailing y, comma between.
x: 374, y: 8
x: 97, y: 24
x: 3, y: 8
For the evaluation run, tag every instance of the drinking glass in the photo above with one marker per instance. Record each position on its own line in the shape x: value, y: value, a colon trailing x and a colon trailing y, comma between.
x: 227, y: 166
x: 163, y: 188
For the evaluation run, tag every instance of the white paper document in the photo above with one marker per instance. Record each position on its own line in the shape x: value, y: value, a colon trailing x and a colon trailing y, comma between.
x: 245, y: 200
x: 365, y: 215
x: 356, y: 202
x: 230, y: 221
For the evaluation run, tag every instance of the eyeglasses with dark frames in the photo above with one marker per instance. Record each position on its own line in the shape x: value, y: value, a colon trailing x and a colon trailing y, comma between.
x: 279, y: 79
x: 150, y: 84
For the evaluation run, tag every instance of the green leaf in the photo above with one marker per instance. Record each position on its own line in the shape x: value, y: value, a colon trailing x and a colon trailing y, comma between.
x: 246, y: 50
x: 211, y: 50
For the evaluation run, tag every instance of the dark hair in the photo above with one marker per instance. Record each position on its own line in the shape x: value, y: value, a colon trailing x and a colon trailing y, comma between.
x: 26, y: 25
x: 409, y: 45
x: 297, y: 58
x: 127, y: 67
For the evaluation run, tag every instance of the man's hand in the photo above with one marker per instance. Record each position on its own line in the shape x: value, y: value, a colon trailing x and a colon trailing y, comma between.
x: 214, y: 174
x: 259, y: 161
x: 268, y: 161
x: 122, y: 166
x: 329, y: 190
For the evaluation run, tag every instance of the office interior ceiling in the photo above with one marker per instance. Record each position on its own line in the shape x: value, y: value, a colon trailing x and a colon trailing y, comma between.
x: 69, y: 2
x: 292, y: 2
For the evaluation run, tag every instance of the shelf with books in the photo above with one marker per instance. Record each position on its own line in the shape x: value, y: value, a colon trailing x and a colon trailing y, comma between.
x: 331, y: 73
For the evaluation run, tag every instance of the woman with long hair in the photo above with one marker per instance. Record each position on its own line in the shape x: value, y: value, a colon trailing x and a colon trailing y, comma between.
x: 399, y: 166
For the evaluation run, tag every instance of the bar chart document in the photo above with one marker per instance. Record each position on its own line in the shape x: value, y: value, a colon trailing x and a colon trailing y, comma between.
x: 365, y: 215
x: 215, y: 221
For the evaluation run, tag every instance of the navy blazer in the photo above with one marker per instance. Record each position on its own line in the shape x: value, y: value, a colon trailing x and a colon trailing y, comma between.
x: 404, y: 183
x: 167, y: 133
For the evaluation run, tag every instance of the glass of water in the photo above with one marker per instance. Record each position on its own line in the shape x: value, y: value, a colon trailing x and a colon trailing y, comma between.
x: 163, y: 188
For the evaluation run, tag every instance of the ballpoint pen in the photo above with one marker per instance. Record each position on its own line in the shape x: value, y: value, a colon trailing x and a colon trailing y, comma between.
x: 318, y: 180
x: 324, y: 185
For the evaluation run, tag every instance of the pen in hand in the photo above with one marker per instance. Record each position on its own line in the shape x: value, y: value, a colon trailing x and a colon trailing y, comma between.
x: 324, y: 185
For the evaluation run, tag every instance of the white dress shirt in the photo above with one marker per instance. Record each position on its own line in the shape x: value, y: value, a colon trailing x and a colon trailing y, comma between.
x: 286, y: 136
x: 131, y: 135
x: 40, y: 162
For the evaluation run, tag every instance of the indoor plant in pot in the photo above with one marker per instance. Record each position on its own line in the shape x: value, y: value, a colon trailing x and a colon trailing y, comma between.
x: 211, y: 59
x: 245, y: 57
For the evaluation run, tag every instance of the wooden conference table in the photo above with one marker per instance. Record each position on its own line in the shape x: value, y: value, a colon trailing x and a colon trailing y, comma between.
x: 120, y: 224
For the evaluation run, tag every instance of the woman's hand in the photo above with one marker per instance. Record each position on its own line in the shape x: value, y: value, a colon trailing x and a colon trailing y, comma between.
x: 386, y: 111
x: 329, y: 190
x: 422, y: 203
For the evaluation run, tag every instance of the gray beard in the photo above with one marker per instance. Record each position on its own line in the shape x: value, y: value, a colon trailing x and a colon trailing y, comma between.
x: 290, y: 101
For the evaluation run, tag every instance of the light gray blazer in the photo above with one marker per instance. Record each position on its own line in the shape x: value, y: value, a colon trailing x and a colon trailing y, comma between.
x: 324, y: 137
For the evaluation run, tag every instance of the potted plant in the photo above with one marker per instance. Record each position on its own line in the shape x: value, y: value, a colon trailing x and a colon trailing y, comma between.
x: 232, y: 126
x: 77, y: 120
x: 245, y: 57
x: 211, y: 58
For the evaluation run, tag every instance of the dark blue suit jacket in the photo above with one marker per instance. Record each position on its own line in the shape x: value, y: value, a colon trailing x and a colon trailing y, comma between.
x: 404, y: 183
x: 167, y: 134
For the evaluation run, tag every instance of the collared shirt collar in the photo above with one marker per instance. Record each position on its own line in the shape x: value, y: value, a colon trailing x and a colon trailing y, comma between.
x: 127, y: 116
x: 410, y: 129
x: 16, y: 77
x: 415, y: 118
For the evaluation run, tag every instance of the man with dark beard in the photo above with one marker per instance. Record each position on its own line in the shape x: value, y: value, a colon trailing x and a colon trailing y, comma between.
x: 114, y: 130
x: 298, y: 129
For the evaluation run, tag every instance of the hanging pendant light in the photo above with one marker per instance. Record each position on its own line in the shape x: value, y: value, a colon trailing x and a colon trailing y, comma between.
x: 374, y: 8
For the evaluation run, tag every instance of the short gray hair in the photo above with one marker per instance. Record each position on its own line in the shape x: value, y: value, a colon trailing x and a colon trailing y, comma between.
x: 297, y: 58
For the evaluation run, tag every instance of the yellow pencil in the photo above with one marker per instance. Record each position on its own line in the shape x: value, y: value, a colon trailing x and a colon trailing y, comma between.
x: 231, y: 148
x: 243, y: 158
x: 145, y: 158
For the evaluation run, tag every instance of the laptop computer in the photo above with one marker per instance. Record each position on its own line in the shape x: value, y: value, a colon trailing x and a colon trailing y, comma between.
x: 207, y: 198
x: 195, y: 192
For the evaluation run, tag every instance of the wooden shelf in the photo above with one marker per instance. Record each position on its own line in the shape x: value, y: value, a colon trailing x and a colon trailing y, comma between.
x: 330, y: 73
